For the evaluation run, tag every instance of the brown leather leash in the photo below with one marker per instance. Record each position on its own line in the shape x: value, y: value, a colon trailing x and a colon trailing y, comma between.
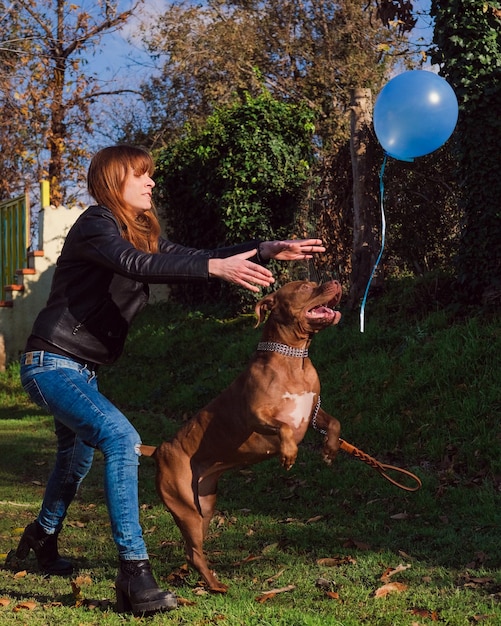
x: 382, y: 468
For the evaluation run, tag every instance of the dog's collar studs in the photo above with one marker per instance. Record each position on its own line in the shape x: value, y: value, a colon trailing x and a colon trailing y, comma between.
x: 273, y: 346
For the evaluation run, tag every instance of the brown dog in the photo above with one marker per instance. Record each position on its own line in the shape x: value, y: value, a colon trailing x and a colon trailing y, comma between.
x: 264, y: 412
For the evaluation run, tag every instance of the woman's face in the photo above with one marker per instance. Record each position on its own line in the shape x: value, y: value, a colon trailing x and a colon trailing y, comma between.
x: 137, y: 191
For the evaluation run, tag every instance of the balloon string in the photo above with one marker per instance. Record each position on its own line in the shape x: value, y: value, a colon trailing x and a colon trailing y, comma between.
x: 383, y: 235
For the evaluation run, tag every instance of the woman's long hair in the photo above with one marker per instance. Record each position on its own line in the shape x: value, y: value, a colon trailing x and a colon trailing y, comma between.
x: 105, y: 182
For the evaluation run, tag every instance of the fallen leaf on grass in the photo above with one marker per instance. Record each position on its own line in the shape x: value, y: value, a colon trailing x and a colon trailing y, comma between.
x: 272, y: 579
x: 200, y: 591
x: 83, y: 580
x: 336, y: 561
x: 403, y: 515
x: 80, y: 599
x: 4, y: 601
x: 185, y: 602
x: 332, y: 595
x: 21, y: 574
x: 267, y: 595
x: 179, y: 575
x: 76, y: 592
x: 25, y: 606
x: 479, y: 560
x: 426, y: 613
x: 473, y: 581
x: 269, y: 548
x: 76, y: 524
x: 390, y: 588
x: 323, y: 583
x: 389, y: 572
x: 359, y: 545
x: 249, y: 559
x: 314, y: 519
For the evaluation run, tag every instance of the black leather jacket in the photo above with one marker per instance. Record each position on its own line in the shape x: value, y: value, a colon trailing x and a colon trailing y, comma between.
x: 101, y: 282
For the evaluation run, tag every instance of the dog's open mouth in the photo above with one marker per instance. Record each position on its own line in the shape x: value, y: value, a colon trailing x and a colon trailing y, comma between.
x: 321, y: 311
x: 325, y: 311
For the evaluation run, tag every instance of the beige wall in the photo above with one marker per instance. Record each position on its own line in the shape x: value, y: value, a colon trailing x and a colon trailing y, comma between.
x: 16, y: 321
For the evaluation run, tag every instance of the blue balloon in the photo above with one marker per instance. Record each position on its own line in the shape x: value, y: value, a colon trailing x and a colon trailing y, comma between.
x: 415, y: 113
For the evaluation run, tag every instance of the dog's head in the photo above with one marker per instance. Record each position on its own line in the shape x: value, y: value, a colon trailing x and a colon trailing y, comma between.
x: 305, y: 306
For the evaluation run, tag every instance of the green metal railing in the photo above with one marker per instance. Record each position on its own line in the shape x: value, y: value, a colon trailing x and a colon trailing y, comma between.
x: 14, y: 239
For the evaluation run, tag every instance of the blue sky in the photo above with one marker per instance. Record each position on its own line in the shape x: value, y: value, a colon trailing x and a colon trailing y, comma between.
x: 124, y: 61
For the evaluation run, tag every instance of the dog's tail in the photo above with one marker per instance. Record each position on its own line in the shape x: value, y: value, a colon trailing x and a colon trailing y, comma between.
x: 147, y: 450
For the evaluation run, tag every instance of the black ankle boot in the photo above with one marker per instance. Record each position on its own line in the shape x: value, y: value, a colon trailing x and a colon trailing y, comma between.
x: 137, y: 590
x: 45, y: 548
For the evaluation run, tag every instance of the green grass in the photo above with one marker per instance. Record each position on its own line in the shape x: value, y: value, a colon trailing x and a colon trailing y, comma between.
x: 419, y: 389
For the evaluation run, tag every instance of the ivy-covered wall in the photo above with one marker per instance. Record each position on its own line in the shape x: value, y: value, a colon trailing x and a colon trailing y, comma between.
x: 468, y: 49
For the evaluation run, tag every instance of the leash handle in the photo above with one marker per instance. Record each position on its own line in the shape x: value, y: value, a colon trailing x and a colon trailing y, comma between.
x: 381, y: 467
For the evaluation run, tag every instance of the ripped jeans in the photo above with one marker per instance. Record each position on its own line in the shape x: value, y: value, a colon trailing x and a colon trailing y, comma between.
x: 84, y: 420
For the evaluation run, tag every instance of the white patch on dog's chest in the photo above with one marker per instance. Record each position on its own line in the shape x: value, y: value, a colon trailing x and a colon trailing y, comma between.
x: 303, y: 405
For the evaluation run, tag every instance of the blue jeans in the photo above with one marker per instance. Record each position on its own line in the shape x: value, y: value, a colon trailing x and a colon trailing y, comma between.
x: 84, y: 420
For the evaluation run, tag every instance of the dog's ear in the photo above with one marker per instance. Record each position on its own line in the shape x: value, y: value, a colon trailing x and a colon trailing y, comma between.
x: 262, y: 307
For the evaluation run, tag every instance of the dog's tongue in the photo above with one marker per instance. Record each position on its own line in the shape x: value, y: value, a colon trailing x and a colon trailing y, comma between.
x: 321, y: 310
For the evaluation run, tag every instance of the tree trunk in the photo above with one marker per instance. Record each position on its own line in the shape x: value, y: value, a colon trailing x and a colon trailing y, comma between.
x: 365, y: 204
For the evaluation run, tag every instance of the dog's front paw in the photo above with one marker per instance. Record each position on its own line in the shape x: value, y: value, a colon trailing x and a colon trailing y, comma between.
x: 329, y: 455
x: 288, y: 461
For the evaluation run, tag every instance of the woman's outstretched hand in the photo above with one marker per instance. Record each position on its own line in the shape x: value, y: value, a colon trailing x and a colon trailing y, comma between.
x: 290, y: 249
x: 239, y: 270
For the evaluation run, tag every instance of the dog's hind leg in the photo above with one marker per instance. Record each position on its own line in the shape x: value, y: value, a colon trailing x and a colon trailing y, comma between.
x: 179, y: 490
x: 193, y: 528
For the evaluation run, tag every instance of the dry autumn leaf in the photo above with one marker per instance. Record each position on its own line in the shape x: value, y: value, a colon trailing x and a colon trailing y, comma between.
x: 4, y: 601
x: 249, y: 559
x: 178, y: 576
x: 200, y: 591
x: 390, y: 588
x: 76, y: 524
x: 25, y: 606
x: 332, y: 595
x: 315, y: 518
x: 269, y: 548
x: 267, y: 595
x: 20, y: 574
x: 83, y: 580
x: 76, y: 591
x: 336, y: 561
x: 403, y: 515
x: 389, y: 572
x: 426, y: 613
x: 275, y: 576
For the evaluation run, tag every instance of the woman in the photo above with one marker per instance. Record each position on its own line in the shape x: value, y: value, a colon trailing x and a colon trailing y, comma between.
x: 110, y: 255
